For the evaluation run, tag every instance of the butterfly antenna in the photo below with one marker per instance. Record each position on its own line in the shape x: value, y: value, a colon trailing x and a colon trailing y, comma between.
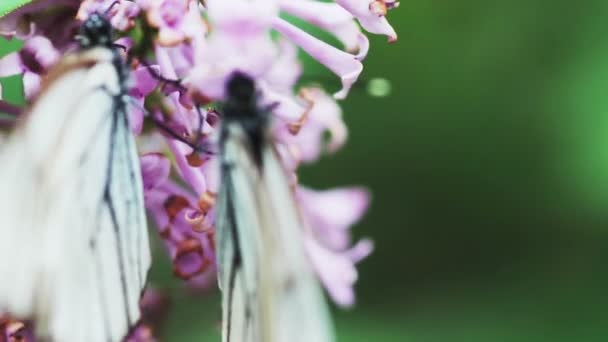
x: 120, y: 46
x: 114, y: 4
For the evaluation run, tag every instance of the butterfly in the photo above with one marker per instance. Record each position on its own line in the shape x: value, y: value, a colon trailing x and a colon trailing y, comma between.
x: 74, y: 249
x: 269, y: 290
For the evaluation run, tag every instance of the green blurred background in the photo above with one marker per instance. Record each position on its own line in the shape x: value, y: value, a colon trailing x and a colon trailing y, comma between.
x: 488, y: 164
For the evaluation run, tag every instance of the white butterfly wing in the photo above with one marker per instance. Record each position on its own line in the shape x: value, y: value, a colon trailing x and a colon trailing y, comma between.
x: 74, y: 250
x: 270, y: 292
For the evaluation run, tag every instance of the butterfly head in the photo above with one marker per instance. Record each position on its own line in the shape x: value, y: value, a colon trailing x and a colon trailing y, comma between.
x: 240, y: 88
x: 241, y: 97
x: 96, y: 31
x: 241, y: 108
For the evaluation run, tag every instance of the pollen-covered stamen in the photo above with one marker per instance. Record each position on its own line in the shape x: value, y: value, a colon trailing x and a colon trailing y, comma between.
x: 295, y: 127
x: 195, y: 159
x: 207, y: 201
x: 378, y: 8
x: 381, y: 7
x: 196, y: 219
x: 189, y: 259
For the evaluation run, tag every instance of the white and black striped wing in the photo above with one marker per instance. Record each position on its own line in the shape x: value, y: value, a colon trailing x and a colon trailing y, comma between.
x: 74, y: 251
x: 270, y: 292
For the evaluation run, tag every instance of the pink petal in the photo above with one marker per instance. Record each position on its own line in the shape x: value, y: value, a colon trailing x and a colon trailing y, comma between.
x: 136, y: 116
x: 170, y: 37
x: 285, y: 107
x: 145, y: 83
x: 155, y: 169
x: 205, y: 281
x: 31, y: 84
x: 290, y: 158
x: 156, y: 197
x: 350, y: 35
x: 211, y: 169
x: 239, y: 41
x: 43, y: 50
x: 151, y: 143
x: 121, y: 15
x: 189, y: 260
x: 11, y: 65
x: 361, y: 250
x: 323, y: 14
x: 253, y: 54
x: 345, y: 65
x: 242, y: 17
x: 193, y: 25
x: 337, y: 272
x: 191, y: 174
x: 285, y: 70
x: 371, y: 22
x: 334, y: 19
x: 309, y: 142
x: 181, y: 57
x: 124, y: 16
x: 327, y: 114
x: 341, y: 207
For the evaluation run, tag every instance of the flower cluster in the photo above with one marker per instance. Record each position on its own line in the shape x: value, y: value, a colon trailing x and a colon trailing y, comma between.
x: 154, y: 306
x: 201, y: 44
x: 12, y: 330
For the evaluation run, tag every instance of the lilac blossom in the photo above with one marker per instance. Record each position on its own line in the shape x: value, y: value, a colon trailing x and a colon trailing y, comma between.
x: 154, y: 306
x: 12, y: 330
x: 201, y: 45
x: 32, y: 61
x: 122, y: 13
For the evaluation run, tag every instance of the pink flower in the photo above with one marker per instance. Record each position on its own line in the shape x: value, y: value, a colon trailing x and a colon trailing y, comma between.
x: 184, y: 222
x: 371, y: 15
x: 154, y: 305
x: 15, y: 330
x: 335, y: 20
x: 240, y: 40
x: 144, y: 85
x: 336, y: 268
x: 347, y: 66
x: 122, y: 13
x: 33, y: 61
x: 330, y: 214
x: 176, y: 20
x: 307, y: 137
x: 286, y: 69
